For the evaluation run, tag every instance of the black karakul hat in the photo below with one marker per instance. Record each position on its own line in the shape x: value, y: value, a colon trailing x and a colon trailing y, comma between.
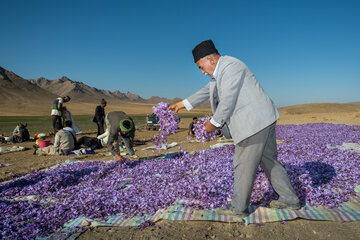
x: 203, y: 49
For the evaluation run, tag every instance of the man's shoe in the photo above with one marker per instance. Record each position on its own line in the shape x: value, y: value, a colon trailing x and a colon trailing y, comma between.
x: 282, y: 205
x: 229, y: 210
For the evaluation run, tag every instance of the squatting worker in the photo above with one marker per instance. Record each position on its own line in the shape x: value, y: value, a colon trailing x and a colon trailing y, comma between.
x: 56, y: 110
x: 243, y: 111
x: 120, y: 124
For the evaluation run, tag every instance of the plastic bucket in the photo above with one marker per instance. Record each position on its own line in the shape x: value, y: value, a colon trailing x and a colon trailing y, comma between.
x: 44, y: 143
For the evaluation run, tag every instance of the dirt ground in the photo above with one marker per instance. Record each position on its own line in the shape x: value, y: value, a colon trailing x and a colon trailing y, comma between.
x: 21, y: 163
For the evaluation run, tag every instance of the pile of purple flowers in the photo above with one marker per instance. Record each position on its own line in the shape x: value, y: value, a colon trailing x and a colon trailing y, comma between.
x: 200, y: 133
x: 168, y: 121
x: 320, y: 176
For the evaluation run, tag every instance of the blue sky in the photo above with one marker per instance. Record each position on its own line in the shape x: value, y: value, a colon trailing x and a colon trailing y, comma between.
x: 300, y: 51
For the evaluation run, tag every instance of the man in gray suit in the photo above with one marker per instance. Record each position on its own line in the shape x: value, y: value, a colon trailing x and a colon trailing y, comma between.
x: 243, y: 112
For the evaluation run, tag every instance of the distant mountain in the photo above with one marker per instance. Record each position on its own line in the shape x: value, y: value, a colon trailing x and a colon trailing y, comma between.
x: 18, y: 94
x: 79, y: 91
x: 156, y: 99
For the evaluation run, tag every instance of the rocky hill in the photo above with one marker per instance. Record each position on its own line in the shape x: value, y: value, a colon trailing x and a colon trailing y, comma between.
x: 18, y: 95
x: 11, y: 85
x: 83, y: 93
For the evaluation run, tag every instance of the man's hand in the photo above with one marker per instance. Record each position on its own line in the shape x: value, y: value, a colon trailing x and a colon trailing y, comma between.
x: 118, y: 157
x: 209, y: 127
x: 176, y: 106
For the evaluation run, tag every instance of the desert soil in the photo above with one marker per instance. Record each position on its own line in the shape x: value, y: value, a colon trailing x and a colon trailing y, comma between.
x: 21, y: 163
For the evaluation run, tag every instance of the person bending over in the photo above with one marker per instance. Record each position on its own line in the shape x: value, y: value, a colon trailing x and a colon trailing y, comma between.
x: 56, y: 110
x: 122, y: 126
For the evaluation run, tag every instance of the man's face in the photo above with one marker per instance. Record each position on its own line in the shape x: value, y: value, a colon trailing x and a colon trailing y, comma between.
x: 207, y: 65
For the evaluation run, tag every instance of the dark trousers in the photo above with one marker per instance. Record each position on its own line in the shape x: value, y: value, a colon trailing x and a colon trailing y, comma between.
x: 100, y: 126
x: 56, y: 119
x: 90, y: 142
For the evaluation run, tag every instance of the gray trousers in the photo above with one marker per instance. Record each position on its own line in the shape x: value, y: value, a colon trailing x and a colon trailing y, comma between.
x: 259, y: 149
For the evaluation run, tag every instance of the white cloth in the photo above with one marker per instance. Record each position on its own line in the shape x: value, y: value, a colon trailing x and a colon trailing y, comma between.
x: 167, y: 146
x: 69, y: 116
x: 104, y: 137
x: 16, y: 130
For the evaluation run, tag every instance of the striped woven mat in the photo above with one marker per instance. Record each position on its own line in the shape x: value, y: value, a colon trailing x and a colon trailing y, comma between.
x: 349, y: 211
x: 346, y: 146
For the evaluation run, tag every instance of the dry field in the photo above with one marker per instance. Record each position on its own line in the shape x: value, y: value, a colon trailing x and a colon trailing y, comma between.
x: 24, y: 162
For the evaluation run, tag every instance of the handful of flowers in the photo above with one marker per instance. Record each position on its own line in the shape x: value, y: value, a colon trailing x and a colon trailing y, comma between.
x: 168, y: 121
x: 200, y: 133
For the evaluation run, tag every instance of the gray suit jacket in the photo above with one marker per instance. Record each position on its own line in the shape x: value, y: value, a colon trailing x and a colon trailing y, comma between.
x: 244, y: 106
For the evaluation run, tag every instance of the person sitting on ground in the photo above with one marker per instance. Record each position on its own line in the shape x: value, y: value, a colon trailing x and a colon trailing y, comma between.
x: 191, y: 130
x: 90, y: 142
x: 20, y: 134
x: 121, y: 124
x: 56, y: 110
x: 63, y: 143
x: 95, y: 143
x: 68, y: 127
